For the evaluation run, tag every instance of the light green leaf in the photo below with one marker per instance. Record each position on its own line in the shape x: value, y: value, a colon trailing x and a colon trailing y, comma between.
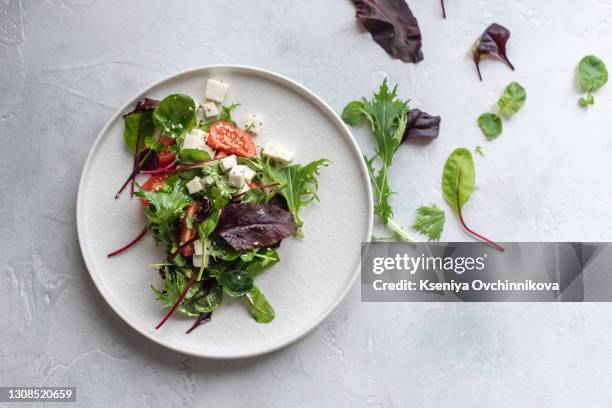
x: 490, y: 124
x: 429, y: 221
x: 458, y: 178
x: 353, y: 113
x: 592, y: 75
x: 512, y: 100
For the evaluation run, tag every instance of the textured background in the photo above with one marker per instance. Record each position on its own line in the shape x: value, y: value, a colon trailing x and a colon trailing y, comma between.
x: 66, y: 65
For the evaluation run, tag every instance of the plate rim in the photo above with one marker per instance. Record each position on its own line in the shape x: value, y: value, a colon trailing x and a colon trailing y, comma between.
x: 276, y: 77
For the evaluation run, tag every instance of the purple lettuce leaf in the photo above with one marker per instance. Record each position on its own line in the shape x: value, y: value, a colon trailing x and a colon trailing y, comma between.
x: 492, y: 42
x: 393, y: 27
x: 247, y: 225
x: 421, y: 126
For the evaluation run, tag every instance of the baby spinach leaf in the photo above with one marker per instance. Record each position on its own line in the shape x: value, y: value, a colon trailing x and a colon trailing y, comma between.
x: 175, y: 114
x: 490, y: 124
x: 592, y: 75
x: 248, y: 226
x: 393, y: 27
x: 429, y: 221
x: 421, y: 126
x: 458, y: 181
x: 492, y: 42
x: 236, y: 282
x: 258, y: 306
x: 459, y: 178
x: 262, y: 259
x: 353, y: 113
x: 512, y: 100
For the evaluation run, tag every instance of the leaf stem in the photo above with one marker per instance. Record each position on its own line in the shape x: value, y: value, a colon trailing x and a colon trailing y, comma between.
x: 398, y: 231
x: 468, y: 229
x: 443, y: 9
x: 130, y: 244
x: 178, y: 302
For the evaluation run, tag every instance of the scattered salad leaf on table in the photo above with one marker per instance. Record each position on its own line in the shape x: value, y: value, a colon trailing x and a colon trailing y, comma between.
x: 509, y: 104
x: 429, y: 221
x: 592, y: 75
x: 492, y: 42
x: 458, y: 181
x: 421, y: 126
x: 512, y: 100
x: 388, y: 116
x: 478, y: 149
x: 393, y: 26
x: 490, y: 124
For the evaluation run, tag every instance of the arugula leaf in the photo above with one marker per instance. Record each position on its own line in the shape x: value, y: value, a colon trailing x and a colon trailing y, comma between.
x: 258, y: 305
x: 205, y: 228
x: 298, y: 186
x: 225, y: 115
x: 175, y: 114
x: 429, y: 221
x: 490, y: 124
x: 164, y: 208
x: 512, y: 100
x: 388, y: 117
x: 592, y: 75
x: 202, y: 297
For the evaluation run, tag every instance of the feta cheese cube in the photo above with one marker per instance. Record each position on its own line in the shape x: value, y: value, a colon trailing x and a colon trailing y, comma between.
x: 216, y: 90
x: 197, y: 247
x: 249, y: 173
x: 195, y: 185
x: 196, y: 139
x: 210, y: 109
x: 254, y: 123
x: 244, y: 189
x: 227, y: 163
x: 197, y: 260
x: 279, y: 154
x: 236, y: 176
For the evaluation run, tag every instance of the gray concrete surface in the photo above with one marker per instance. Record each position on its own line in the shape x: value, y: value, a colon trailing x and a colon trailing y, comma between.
x: 67, y: 65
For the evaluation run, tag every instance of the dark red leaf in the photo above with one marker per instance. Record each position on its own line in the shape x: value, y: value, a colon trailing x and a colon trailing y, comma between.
x: 393, y: 27
x: 248, y: 226
x: 421, y: 126
x: 144, y: 105
x: 492, y: 42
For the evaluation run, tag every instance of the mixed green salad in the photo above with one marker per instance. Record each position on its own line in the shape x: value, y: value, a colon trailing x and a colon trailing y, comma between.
x: 217, y: 204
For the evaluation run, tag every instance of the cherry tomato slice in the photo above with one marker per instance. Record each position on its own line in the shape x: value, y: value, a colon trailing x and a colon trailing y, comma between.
x: 230, y: 139
x: 185, y: 233
x: 154, y: 183
x: 165, y: 159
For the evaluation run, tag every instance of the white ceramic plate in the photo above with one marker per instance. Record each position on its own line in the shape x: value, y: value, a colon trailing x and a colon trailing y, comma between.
x: 314, y: 273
